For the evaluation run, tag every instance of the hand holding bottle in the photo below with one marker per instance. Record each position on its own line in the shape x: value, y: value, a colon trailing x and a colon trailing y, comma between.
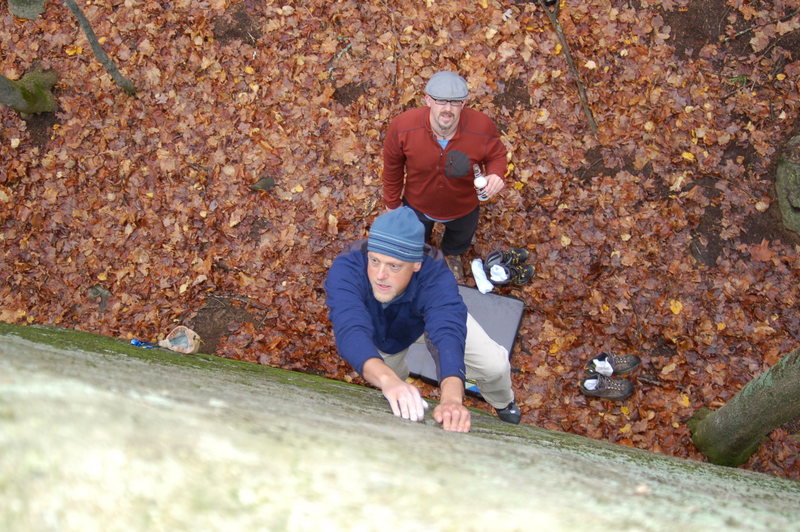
x: 486, y: 186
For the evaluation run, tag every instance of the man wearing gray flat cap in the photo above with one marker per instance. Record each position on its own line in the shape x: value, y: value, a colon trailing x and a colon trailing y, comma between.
x: 428, y: 158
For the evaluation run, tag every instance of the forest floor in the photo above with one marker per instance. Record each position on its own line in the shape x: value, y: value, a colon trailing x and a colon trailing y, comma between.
x: 218, y: 196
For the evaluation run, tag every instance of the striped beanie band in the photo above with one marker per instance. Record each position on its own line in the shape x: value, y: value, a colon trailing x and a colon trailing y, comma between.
x: 398, y: 234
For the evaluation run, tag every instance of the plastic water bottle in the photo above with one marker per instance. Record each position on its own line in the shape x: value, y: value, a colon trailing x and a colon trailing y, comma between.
x: 480, y: 183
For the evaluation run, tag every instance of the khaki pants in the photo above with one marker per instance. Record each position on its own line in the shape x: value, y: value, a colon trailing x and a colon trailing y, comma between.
x: 486, y: 361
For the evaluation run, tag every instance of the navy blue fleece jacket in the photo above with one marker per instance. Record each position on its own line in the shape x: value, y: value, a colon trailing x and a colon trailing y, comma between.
x: 431, y: 302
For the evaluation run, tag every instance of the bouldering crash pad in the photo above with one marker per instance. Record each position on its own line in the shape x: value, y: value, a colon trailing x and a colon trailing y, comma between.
x: 499, y: 315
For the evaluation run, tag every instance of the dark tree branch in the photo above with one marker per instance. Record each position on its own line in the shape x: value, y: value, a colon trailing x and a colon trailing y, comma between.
x: 753, y: 28
x: 552, y: 15
x: 398, y: 50
x: 107, y: 63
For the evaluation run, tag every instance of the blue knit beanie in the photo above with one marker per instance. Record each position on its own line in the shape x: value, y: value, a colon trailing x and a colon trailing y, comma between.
x: 399, y: 234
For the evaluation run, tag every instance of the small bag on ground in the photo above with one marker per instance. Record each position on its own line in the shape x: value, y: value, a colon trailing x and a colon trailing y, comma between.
x: 182, y: 339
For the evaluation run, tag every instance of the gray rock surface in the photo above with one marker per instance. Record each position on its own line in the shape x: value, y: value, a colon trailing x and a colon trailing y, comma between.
x: 99, y: 435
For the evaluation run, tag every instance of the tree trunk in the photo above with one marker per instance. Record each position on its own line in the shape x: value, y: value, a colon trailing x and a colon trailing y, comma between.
x: 31, y: 94
x: 27, y: 9
x: 30, y: 9
x: 731, y: 434
x: 787, y: 184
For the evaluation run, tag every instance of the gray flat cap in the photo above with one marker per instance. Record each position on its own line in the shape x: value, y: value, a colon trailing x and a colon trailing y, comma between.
x: 446, y: 85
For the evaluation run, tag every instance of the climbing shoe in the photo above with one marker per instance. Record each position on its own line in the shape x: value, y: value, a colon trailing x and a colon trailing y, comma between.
x: 500, y: 274
x: 606, y: 388
x: 608, y: 364
x: 522, y: 273
x: 510, y: 257
x: 510, y: 414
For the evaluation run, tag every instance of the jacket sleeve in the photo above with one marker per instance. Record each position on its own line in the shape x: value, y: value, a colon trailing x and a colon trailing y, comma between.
x: 394, y: 162
x: 445, y: 320
x: 347, y: 310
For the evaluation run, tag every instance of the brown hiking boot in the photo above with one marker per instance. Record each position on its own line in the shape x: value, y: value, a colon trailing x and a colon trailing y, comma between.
x: 454, y: 263
x: 606, y: 387
x: 609, y: 364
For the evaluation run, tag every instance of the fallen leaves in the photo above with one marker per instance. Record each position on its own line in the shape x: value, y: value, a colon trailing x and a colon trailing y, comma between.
x: 762, y: 252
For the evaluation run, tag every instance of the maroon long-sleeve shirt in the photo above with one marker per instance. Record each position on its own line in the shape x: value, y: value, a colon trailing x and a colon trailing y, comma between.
x: 415, y: 165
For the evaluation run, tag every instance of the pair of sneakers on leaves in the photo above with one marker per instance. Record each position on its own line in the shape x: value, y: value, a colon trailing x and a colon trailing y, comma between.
x: 599, y: 383
x: 504, y: 267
